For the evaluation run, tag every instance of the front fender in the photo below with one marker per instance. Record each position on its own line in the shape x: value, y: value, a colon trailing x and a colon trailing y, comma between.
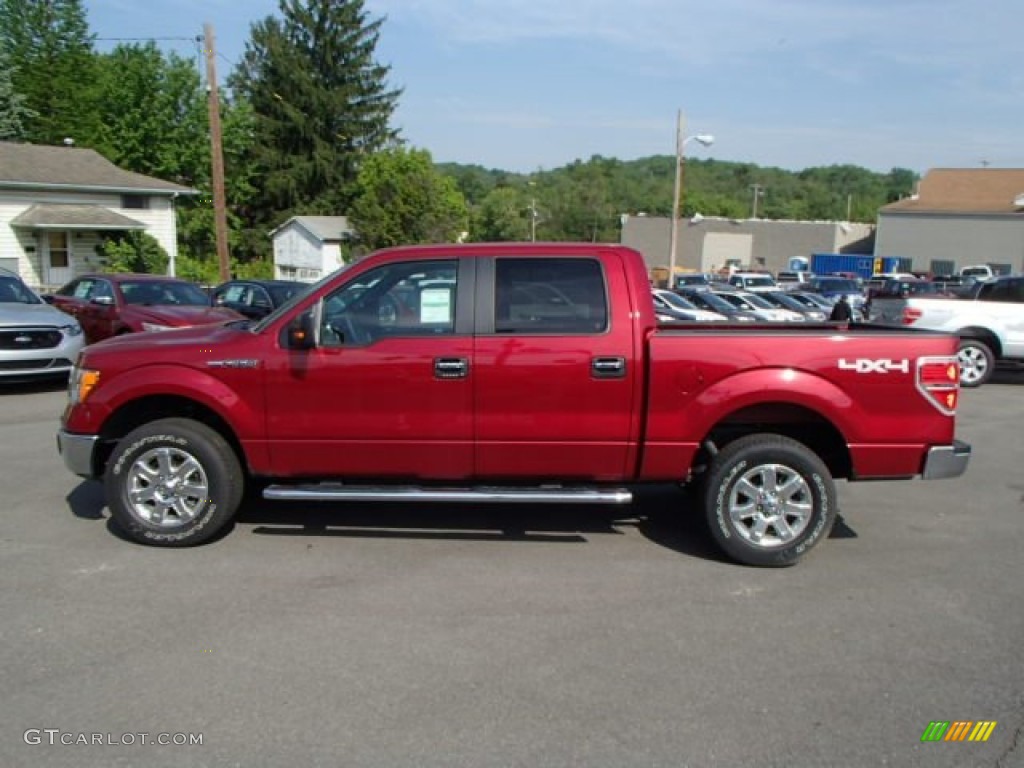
x: 241, y: 407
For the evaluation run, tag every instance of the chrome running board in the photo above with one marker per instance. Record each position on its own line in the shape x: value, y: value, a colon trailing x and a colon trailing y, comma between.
x: 511, y: 495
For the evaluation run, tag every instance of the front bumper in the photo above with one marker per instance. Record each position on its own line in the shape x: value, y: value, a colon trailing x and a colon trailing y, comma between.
x: 77, y: 452
x: 946, y: 460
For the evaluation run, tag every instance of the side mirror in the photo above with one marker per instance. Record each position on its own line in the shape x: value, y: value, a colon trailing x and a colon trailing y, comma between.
x: 103, y: 301
x: 300, y: 333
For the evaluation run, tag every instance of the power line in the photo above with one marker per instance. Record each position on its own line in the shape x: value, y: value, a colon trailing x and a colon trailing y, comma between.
x: 194, y: 39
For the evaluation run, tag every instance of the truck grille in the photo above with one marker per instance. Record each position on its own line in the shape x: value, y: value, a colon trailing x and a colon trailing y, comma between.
x: 34, y: 365
x: 30, y: 338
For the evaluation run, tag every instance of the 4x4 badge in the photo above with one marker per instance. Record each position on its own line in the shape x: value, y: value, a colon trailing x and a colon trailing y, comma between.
x: 867, y: 365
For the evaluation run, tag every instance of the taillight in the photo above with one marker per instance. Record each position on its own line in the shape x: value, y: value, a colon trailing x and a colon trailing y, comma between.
x: 938, y: 379
x: 910, y: 315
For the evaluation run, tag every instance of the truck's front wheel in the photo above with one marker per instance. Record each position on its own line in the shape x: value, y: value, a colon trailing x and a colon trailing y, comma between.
x: 173, y: 483
x: 769, y: 499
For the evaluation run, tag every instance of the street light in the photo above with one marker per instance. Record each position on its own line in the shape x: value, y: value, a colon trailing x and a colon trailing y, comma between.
x: 701, y: 138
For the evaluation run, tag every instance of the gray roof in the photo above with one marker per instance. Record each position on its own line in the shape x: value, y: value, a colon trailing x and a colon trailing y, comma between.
x: 39, y: 166
x: 323, y: 228
x: 57, y: 216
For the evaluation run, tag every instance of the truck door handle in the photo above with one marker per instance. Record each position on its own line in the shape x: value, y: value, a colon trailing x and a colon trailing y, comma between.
x: 608, y: 367
x: 451, y: 367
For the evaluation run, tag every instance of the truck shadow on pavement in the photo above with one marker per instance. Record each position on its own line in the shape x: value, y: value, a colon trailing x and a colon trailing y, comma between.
x: 665, y: 515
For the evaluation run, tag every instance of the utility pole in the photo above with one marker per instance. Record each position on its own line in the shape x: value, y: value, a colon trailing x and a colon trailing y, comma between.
x: 220, y: 215
x: 533, y: 211
x: 758, y: 191
x: 677, y: 189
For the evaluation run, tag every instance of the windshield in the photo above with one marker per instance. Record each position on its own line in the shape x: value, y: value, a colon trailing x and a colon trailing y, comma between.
x: 759, y: 282
x: 692, y: 280
x: 754, y: 300
x: 838, y: 285
x: 713, y: 302
x: 296, y: 298
x: 676, y: 300
x: 282, y: 293
x: 13, y: 291
x: 163, y: 293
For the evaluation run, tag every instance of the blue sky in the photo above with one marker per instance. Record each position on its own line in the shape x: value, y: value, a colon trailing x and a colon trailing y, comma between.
x: 529, y: 85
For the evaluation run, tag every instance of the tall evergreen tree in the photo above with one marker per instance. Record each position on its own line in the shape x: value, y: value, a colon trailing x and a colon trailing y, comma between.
x: 321, y: 104
x: 14, y: 113
x: 51, y: 49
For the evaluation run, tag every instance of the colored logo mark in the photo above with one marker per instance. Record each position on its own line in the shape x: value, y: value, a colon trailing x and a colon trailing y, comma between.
x: 958, y: 730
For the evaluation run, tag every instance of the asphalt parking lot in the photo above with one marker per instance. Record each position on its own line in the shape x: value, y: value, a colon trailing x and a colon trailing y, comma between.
x: 398, y: 636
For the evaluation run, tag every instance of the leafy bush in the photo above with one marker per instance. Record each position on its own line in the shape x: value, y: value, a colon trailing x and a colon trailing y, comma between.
x: 133, y: 252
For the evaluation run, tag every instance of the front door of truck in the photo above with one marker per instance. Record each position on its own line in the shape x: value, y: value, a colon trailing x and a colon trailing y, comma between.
x: 554, y: 369
x: 387, y: 392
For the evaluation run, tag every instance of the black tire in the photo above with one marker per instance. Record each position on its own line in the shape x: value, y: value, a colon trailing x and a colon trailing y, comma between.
x: 977, y: 362
x: 766, y: 527
x: 197, y: 495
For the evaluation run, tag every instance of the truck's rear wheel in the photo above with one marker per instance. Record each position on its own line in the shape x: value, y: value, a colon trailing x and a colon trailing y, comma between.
x: 769, y: 500
x: 173, y: 483
x: 977, y: 362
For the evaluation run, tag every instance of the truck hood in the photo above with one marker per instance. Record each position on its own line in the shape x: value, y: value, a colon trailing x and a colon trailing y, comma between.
x: 174, y: 344
x: 179, y: 316
x: 17, y: 314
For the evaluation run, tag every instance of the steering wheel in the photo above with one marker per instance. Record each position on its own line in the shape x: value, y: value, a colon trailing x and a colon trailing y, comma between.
x: 387, y: 311
x: 346, y: 330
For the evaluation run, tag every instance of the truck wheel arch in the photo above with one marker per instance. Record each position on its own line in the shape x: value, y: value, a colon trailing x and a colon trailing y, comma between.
x: 135, y: 413
x: 984, y: 335
x: 796, y: 422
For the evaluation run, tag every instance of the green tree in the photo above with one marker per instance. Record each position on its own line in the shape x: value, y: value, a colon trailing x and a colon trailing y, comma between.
x: 321, y: 102
x: 401, y: 199
x: 50, y: 47
x: 154, y: 114
x: 503, y: 216
x: 156, y: 122
x: 133, y: 252
x: 14, y: 113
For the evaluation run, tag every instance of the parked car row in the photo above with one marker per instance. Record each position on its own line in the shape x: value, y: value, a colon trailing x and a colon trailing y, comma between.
x: 725, y: 304
x: 109, y: 305
x: 40, y: 336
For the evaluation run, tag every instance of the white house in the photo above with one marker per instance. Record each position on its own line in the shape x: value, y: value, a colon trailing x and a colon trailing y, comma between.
x: 307, y: 248
x: 58, y: 202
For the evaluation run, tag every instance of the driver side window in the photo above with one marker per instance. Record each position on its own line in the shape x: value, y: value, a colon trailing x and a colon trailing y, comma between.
x: 414, y: 298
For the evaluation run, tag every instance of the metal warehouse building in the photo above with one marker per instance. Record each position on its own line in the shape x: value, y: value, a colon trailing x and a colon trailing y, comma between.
x: 958, y: 217
x: 708, y: 243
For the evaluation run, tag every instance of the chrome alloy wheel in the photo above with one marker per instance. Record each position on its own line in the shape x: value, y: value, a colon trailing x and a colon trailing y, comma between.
x: 167, y: 487
x: 973, y: 365
x: 770, y: 505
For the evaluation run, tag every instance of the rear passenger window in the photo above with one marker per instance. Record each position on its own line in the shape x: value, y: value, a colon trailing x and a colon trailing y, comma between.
x: 549, y: 296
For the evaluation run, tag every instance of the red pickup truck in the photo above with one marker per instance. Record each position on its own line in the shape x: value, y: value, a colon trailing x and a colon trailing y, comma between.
x: 511, y: 373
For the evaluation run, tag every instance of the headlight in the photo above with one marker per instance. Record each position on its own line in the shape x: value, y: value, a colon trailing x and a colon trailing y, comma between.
x: 156, y: 327
x: 81, y: 383
x: 72, y: 329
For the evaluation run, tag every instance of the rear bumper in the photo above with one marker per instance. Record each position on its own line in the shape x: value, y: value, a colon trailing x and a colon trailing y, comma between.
x: 77, y: 452
x: 946, y: 461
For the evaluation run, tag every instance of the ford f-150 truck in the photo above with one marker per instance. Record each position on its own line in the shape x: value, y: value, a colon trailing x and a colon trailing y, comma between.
x: 509, y: 373
x: 990, y: 326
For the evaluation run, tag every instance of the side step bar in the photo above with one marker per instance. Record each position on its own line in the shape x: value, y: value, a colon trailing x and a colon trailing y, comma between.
x: 511, y: 495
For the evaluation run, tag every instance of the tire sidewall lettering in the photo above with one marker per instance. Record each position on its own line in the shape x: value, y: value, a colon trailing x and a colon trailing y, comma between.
x: 130, y: 453
x: 724, y: 488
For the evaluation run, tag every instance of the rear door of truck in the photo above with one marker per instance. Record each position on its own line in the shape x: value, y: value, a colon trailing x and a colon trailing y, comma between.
x: 557, y: 370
